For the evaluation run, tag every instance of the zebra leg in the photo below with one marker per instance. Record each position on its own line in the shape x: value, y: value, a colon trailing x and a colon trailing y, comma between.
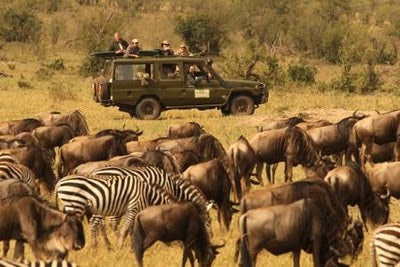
x: 115, y: 220
x: 129, y: 220
x: 104, y: 234
x: 94, y: 222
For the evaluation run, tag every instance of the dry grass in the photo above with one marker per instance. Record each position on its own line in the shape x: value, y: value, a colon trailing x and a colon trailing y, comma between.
x: 21, y: 103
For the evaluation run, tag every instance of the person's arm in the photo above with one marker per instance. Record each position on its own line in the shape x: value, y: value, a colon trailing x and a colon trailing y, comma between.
x: 191, y: 80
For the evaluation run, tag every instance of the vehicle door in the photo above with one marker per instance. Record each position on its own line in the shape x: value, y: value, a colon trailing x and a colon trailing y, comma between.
x: 209, y: 91
x: 131, y: 81
x: 171, y: 84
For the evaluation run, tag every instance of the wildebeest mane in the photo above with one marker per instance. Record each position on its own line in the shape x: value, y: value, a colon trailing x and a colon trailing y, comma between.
x: 26, y: 125
x: 299, y: 144
x: 77, y: 117
x: 292, y: 121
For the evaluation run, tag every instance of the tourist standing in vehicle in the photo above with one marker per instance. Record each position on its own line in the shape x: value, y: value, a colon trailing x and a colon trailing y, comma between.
x: 119, y: 45
x: 133, y: 49
x: 166, y: 49
x: 183, y: 51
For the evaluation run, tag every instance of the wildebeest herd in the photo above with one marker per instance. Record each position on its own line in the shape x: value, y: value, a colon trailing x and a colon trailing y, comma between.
x: 163, y: 189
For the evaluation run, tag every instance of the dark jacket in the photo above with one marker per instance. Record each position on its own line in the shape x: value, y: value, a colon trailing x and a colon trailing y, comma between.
x: 115, y: 45
x: 132, y: 50
x: 192, y: 79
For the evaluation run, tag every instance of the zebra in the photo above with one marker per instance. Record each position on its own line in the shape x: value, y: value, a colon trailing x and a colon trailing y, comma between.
x: 385, y: 245
x: 181, y: 189
x: 55, y: 263
x: 108, y: 196
x: 19, y: 172
x: 8, y: 157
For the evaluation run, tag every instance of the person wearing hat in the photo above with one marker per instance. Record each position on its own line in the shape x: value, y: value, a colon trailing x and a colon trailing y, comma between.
x: 166, y: 49
x: 183, y: 51
x: 119, y: 45
x: 133, y: 49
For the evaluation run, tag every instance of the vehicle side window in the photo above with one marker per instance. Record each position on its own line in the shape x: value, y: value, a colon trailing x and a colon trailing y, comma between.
x: 126, y: 72
x: 170, y: 71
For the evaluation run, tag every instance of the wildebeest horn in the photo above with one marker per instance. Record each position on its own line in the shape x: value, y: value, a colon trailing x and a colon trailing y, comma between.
x: 219, y: 246
x: 354, y: 113
x: 234, y: 210
x: 377, y: 111
x: 123, y: 126
x: 385, y: 196
x: 254, y: 182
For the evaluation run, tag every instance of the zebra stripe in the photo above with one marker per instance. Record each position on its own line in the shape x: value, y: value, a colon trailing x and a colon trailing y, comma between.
x: 181, y: 189
x: 385, y: 245
x: 19, y: 172
x: 109, y: 196
x: 7, y: 157
x: 54, y: 263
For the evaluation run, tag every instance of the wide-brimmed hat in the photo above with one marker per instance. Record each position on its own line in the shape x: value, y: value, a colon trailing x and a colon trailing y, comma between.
x: 183, y: 46
x: 165, y: 42
x: 135, y: 41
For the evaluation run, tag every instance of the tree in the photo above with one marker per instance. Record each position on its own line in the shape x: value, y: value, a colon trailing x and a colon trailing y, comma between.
x: 19, y: 25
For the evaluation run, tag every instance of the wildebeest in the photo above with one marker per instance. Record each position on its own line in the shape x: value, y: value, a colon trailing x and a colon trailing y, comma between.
x: 382, y: 153
x: 49, y: 232
x: 243, y: 160
x: 185, y: 159
x: 74, y: 119
x: 335, y: 138
x: 161, y: 159
x: 213, y: 181
x: 307, y: 125
x: 384, y: 179
x: 353, y: 188
x: 53, y: 136
x: 39, y: 160
x: 292, y: 121
x: 18, y: 140
x: 293, y: 146
x: 301, y: 225
x: 126, y: 161
x: 9, y: 188
x: 18, y: 126
x: 185, y: 130
x: 73, y: 154
x: 171, y: 222
x: 380, y: 129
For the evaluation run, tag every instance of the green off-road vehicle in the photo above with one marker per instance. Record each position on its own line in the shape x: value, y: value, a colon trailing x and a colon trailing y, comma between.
x: 147, y: 85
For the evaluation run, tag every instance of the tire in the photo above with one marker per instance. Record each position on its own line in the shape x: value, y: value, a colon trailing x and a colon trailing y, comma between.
x: 225, y: 111
x: 148, y: 109
x: 241, y: 105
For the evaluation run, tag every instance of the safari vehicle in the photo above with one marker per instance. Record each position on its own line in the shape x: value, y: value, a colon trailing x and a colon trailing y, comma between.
x: 147, y: 85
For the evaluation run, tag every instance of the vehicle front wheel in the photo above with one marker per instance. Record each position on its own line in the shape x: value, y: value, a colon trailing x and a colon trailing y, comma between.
x: 242, y: 105
x: 148, y: 109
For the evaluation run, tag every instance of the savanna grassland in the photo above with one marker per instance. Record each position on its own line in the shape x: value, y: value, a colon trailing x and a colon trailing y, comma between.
x: 68, y: 91
x: 321, y: 59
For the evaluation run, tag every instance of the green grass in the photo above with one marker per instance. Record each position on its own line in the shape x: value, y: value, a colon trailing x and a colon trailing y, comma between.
x: 66, y: 91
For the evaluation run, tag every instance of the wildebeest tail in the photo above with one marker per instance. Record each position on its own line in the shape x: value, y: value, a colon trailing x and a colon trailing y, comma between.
x: 236, y: 172
x: 245, y: 260
x: 137, y: 240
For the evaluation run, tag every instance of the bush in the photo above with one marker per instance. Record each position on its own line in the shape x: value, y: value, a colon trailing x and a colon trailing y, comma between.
x: 91, y: 66
x: 44, y: 74
x: 199, y: 32
x: 59, y: 92
x: 57, y: 64
x: 302, y: 72
x: 19, y: 25
x: 274, y: 73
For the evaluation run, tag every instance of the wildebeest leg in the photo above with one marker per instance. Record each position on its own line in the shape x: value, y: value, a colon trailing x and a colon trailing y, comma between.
x: 288, y: 169
x: 19, y: 250
x: 6, y: 248
x: 268, y: 172
x: 317, y: 252
x: 259, y: 168
x: 296, y: 258
x: 274, y: 167
x: 365, y: 154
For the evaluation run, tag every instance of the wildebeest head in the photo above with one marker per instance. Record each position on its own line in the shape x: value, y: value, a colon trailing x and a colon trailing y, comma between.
x: 77, y: 121
x: 125, y: 135
x: 212, y: 252
x: 378, y: 209
x: 61, y: 233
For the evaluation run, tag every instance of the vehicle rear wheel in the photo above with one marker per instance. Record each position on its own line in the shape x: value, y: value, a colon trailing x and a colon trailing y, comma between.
x: 148, y: 109
x: 242, y: 105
